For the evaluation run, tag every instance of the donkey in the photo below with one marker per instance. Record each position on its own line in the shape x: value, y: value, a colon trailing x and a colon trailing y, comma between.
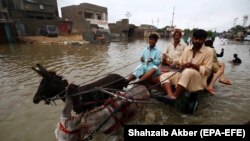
x: 105, y: 119
x: 84, y: 97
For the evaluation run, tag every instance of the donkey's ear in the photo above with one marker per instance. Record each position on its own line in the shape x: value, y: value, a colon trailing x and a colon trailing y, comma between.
x: 36, y: 70
x: 41, y: 70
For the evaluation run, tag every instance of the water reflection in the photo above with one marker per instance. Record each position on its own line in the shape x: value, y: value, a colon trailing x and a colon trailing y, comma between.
x: 82, y: 64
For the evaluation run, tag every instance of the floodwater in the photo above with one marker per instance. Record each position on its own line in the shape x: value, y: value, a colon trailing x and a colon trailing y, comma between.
x: 22, y: 120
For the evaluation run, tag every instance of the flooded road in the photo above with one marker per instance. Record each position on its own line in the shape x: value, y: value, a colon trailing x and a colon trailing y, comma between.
x: 22, y: 120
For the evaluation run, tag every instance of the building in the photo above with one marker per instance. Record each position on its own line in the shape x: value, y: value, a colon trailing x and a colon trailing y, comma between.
x: 8, y: 33
x: 119, y: 27
x: 86, y: 17
x: 30, y: 15
x: 148, y: 29
x: 65, y: 27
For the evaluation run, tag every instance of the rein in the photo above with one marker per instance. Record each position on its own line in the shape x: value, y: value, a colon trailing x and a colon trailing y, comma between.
x: 124, y: 98
x: 48, y: 100
x: 88, y: 91
x: 113, y: 71
x: 179, y: 70
x: 125, y: 76
x: 56, y: 97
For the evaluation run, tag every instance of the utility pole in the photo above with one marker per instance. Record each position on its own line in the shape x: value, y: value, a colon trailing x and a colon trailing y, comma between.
x: 235, y: 19
x: 245, y: 18
x: 128, y: 15
x: 158, y: 22
x: 234, y: 32
x: 172, y: 24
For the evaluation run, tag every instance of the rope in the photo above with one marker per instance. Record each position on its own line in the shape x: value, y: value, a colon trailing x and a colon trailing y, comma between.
x: 92, y: 90
x: 179, y: 70
x: 125, y: 76
x: 84, y: 92
x: 80, y: 93
x: 48, y: 100
x: 123, y: 97
x: 95, y: 90
x: 111, y: 72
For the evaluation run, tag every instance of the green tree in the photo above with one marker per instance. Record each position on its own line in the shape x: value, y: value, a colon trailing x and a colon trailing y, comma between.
x: 210, y: 33
x: 237, y: 28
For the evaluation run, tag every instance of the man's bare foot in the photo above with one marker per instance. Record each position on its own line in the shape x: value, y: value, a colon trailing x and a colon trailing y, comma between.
x: 225, y: 81
x: 170, y: 97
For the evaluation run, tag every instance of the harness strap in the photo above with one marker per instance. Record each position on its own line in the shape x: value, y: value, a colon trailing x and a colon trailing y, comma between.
x: 119, y: 121
x: 125, y: 111
x: 68, y: 131
x: 115, y: 105
x: 115, y: 117
x: 92, y: 102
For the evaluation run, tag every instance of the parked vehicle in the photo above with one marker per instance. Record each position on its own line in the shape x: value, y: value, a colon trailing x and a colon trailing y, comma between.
x: 239, y: 36
x: 247, y: 38
x: 49, y: 30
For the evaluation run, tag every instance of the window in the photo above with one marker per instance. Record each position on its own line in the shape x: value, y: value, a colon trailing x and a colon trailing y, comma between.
x: 41, y: 7
x: 4, y: 16
x: 32, y: 1
x: 99, y: 17
x: 30, y: 17
x: 89, y: 15
x: 52, y: 28
x: 80, y: 12
x: 4, y: 3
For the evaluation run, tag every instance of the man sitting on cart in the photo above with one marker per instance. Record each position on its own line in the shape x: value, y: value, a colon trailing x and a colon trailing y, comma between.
x: 196, y: 61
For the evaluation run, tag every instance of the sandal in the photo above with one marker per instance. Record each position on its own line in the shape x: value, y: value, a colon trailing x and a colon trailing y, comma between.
x: 226, y: 82
x: 211, y: 91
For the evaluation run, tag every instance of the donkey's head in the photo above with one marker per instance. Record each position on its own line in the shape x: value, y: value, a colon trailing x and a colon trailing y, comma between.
x: 50, y: 86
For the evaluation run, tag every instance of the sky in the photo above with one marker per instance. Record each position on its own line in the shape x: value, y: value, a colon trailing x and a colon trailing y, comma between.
x: 215, y: 15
